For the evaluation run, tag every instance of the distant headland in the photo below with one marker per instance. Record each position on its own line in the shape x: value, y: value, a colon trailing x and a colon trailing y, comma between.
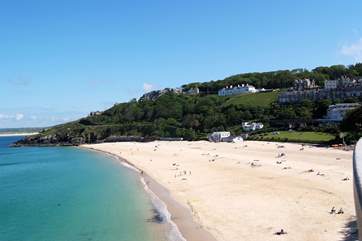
x: 20, y: 131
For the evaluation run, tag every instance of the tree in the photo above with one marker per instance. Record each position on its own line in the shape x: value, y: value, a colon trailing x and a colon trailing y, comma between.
x: 321, y: 108
x: 353, y: 121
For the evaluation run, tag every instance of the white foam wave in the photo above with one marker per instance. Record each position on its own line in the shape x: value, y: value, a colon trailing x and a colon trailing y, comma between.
x: 174, y: 233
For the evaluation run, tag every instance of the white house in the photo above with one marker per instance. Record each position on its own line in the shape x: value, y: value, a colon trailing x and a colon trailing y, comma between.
x: 95, y: 113
x: 240, y: 89
x: 338, y: 111
x: 252, y: 126
x: 218, y: 136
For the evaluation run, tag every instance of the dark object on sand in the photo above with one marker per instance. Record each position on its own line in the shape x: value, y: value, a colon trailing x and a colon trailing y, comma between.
x: 254, y: 165
x: 340, y: 211
x: 281, y: 232
x: 333, y: 210
x: 320, y: 174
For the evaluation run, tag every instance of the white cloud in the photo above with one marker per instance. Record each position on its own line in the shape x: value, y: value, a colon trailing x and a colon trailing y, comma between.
x: 353, y: 50
x: 19, y: 116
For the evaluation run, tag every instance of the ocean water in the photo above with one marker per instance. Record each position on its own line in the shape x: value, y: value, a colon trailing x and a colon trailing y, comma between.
x: 71, y: 194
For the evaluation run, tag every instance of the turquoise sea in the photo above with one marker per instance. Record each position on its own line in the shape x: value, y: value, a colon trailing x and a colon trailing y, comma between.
x: 71, y: 194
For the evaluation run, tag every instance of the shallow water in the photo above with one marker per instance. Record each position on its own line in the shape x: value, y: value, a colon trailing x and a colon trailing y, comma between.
x: 70, y: 194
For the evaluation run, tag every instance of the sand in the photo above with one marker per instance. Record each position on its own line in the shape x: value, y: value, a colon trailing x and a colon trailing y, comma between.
x: 249, y: 191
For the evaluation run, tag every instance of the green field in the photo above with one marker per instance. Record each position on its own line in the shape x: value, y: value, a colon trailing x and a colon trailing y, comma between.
x: 253, y: 100
x: 295, y: 136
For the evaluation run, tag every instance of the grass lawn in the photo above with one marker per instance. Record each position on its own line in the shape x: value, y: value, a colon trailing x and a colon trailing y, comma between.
x: 295, y: 136
x: 253, y: 100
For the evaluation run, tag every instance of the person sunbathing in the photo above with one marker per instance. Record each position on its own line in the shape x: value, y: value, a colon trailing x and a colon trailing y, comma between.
x: 281, y: 232
x: 340, y: 211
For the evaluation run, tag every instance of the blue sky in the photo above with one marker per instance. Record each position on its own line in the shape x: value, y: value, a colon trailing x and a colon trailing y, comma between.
x: 59, y: 60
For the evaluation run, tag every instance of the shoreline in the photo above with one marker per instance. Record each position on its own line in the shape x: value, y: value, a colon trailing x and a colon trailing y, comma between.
x: 18, y: 134
x: 179, y: 217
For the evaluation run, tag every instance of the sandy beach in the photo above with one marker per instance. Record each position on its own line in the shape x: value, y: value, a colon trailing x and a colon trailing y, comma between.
x: 252, y: 190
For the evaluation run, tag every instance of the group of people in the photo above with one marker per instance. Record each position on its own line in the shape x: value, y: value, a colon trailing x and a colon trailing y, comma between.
x: 333, y: 211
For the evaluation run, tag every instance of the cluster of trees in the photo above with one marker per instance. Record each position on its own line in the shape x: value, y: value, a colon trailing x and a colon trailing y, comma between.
x: 280, y: 79
x: 193, y: 117
x: 352, y: 125
x: 190, y: 117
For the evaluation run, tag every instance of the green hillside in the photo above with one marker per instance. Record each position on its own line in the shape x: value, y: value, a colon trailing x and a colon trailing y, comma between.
x: 294, y: 136
x: 264, y: 99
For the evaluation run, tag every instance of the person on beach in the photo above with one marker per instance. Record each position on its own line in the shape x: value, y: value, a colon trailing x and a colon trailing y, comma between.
x: 340, y: 211
x: 333, y: 210
x: 320, y: 174
x: 281, y: 232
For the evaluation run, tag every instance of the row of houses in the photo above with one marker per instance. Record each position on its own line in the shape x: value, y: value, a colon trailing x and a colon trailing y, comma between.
x: 315, y: 95
x: 300, y: 85
x: 227, y: 91
x: 343, y: 82
x: 303, y: 89
x: 342, y: 89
